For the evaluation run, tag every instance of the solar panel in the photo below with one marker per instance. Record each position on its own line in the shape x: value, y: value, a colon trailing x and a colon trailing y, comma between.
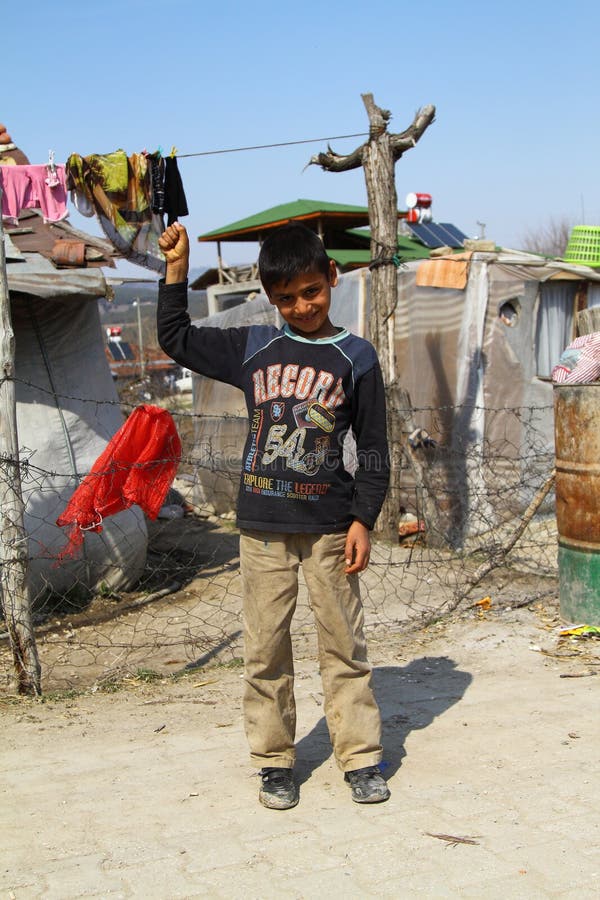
x: 424, y: 234
x: 120, y: 350
x: 434, y: 234
x: 454, y: 232
x: 113, y: 349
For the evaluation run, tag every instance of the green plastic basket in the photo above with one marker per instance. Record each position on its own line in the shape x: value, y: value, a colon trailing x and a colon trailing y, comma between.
x: 583, y: 248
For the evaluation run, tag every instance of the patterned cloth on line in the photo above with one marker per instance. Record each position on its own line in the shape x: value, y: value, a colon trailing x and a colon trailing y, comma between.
x: 118, y: 190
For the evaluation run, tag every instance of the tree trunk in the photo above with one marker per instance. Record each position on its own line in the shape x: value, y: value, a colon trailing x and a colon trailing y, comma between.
x: 378, y: 157
x: 378, y: 164
x: 13, y: 539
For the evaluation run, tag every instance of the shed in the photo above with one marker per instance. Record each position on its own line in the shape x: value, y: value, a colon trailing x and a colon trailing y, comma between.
x: 67, y: 404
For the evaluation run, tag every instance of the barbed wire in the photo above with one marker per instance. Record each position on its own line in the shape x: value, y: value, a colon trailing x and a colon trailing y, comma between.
x: 164, y: 595
x: 183, y: 413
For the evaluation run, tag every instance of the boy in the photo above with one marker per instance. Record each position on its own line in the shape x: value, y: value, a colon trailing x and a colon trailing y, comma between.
x: 307, y: 386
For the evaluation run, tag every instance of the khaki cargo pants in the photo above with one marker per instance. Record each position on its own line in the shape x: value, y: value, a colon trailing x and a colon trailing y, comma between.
x: 269, y: 568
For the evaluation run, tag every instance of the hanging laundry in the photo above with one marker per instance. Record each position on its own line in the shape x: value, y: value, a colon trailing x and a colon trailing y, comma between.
x: 117, y: 189
x: 137, y: 466
x: 33, y: 187
x: 157, y: 180
x: 107, y: 175
x: 175, y: 201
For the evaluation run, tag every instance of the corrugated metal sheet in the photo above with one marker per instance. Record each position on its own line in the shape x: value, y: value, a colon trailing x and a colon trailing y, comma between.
x: 33, y: 235
x: 12, y: 253
x: 34, y: 274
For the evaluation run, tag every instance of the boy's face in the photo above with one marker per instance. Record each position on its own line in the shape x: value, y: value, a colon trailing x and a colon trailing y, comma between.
x: 304, y: 303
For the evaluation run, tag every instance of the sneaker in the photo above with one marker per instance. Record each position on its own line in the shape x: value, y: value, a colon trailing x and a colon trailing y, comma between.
x: 368, y: 785
x: 278, y: 789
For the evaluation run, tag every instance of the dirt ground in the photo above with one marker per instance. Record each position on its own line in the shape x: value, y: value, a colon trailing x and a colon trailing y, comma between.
x: 491, y: 735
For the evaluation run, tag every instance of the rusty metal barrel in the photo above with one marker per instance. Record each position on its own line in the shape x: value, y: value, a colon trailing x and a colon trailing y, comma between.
x: 577, y: 449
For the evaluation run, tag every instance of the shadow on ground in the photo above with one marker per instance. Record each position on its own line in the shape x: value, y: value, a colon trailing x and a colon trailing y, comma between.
x: 186, y: 549
x: 410, y: 697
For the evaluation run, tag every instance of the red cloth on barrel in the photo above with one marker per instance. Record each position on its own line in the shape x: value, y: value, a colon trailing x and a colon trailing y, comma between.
x: 137, y: 466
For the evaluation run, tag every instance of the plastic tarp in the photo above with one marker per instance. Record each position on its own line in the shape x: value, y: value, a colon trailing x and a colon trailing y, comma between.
x: 31, y: 273
x: 67, y: 411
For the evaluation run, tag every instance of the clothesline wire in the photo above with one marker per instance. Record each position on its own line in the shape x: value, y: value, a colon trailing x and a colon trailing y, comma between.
x: 336, y: 137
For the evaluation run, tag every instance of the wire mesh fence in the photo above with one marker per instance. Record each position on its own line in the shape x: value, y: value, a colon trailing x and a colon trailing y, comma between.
x: 475, y: 517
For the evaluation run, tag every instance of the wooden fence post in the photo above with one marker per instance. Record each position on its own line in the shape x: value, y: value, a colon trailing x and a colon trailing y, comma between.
x: 13, y: 539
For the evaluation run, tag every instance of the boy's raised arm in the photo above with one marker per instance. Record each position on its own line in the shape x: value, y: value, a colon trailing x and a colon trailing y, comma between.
x: 175, y: 245
x: 214, y: 352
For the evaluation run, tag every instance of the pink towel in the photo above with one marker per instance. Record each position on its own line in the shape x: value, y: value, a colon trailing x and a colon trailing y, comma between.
x: 33, y: 187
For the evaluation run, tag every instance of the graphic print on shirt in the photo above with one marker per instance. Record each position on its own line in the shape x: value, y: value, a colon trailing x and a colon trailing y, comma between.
x: 292, y: 450
x: 304, y: 383
x: 298, y: 433
x: 277, y: 410
x: 255, y: 429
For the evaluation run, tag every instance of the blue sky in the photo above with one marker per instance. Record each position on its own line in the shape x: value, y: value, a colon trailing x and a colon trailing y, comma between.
x: 514, y: 143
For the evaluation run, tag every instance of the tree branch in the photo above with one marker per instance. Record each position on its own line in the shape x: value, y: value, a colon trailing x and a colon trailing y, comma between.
x: 378, y: 119
x: 334, y: 162
x: 407, y: 139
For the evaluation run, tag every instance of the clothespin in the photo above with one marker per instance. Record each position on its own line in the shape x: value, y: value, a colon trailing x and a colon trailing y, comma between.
x: 159, y: 151
x: 173, y: 151
x: 52, y: 179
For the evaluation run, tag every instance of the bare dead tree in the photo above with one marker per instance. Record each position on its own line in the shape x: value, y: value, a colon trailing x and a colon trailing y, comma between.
x: 378, y: 156
x: 550, y: 239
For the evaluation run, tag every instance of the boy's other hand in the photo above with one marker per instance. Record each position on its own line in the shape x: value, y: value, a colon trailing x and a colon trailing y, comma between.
x: 358, y: 548
x: 175, y: 245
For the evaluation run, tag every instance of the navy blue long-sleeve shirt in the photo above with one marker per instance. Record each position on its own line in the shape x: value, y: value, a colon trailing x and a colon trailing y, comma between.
x: 303, y: 398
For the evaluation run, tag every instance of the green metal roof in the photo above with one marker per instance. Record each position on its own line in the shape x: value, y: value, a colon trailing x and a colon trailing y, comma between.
x: 343, y: 215
x: 408, y: 248
x: 350, y: 259
x: 340, y: 222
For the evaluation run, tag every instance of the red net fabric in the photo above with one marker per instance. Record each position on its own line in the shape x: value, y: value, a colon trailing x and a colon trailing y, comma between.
x: 137, y: 466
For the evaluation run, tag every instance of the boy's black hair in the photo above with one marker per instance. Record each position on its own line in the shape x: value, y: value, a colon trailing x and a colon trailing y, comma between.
x: 290, y: 251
